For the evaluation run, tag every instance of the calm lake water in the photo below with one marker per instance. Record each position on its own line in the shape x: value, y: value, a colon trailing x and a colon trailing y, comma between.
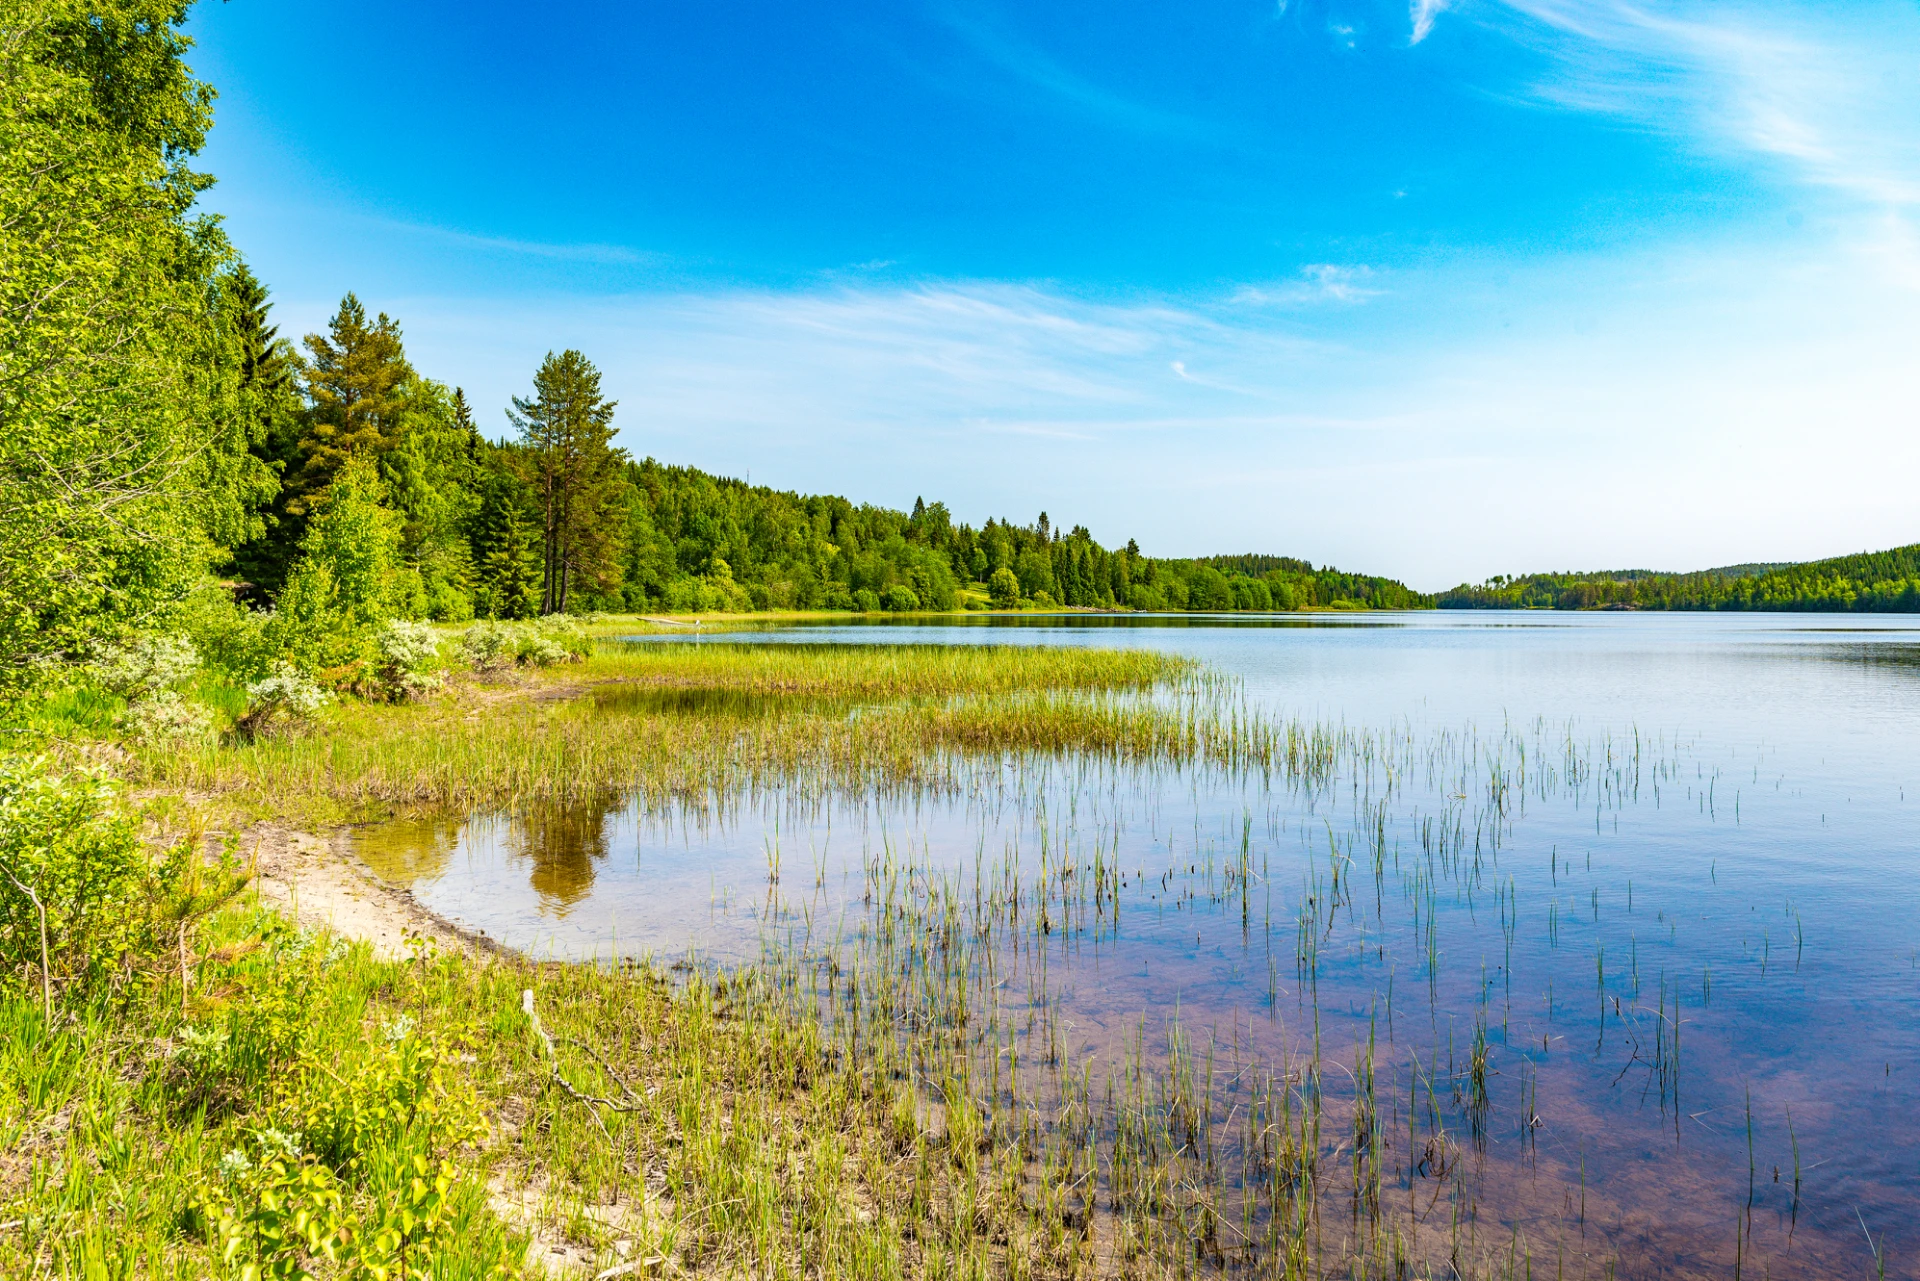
x: 1574, y: 832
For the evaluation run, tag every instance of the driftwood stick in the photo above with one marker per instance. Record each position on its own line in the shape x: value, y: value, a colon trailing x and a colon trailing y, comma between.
x: 631, y: 1103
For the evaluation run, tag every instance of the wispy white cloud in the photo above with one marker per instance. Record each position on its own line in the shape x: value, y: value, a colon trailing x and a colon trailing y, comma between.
x: 583, y: 252
x: 1032, y: 65
x: 1320, y: 282
x: 1832, y: 101
x: 1423, y: 13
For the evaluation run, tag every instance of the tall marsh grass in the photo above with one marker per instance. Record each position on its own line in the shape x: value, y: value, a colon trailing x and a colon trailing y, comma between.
x: 859, y: 720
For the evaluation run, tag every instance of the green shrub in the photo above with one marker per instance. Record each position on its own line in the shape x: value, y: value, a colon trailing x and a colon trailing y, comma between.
x: 379, y: 1112
x: 274, y: 1213
x: 72, y: 873
x: 230, y: 637
x: 902, y: 599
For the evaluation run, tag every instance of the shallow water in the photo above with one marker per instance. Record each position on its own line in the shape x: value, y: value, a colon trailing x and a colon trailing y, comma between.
x: 1575, y: 831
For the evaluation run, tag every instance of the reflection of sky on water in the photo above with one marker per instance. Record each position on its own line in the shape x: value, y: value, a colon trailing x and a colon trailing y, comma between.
x: 1761, y: 874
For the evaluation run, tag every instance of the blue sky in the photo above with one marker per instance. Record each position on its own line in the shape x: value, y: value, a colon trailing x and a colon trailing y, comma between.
x: 1437, y: 290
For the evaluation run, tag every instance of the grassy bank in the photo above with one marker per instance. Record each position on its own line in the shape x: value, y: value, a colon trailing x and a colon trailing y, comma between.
x: 221, y: 1094
x: 687, y: 723
x: 299, y: 1107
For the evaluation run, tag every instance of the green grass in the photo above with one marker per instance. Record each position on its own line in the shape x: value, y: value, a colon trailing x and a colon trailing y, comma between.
x: 859, y: 719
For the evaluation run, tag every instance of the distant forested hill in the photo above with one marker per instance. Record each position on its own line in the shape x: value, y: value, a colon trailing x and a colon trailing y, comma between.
x: 694, y: 541
x: 1886, y: 581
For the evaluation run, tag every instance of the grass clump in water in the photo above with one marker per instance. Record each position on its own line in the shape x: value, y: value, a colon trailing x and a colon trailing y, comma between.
x: 857, y: 719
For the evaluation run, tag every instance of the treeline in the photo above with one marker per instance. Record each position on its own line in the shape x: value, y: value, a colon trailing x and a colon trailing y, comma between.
x: 1886, y: 582
x: 555, y: 518
x: 700, y: 542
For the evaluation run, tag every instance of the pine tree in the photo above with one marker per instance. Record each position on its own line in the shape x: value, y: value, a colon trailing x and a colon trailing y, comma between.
x: 566, y: 430
x: 357, y: 379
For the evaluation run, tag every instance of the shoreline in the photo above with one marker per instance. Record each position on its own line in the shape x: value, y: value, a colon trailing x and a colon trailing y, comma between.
x: 314, y: 880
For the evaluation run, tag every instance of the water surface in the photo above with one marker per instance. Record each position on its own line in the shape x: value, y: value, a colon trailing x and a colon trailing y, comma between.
x: 1571, y: 834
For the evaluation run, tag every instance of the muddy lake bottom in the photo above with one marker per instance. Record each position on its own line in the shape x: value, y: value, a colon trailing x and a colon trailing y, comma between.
x: 1591, y: 944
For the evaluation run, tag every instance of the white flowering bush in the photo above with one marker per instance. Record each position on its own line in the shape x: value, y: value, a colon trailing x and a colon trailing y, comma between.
x: 407, y: 652
x: 281, y: 703
x: 489, y: 646
x: 555, y: 639
x: 147, y: 665
x: 163, y: 718
x: 542, y: 651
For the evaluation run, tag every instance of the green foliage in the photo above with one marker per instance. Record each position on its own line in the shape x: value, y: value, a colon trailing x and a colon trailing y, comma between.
x: 72, y: 874
x: 124, y: 454
x: 229, y: 637
x: 275, y: 1215
x: 1221, y: 584
x: 788, y: 551
x: 358, y: 1168
x: 1869, y: 582
x: 349, y: 577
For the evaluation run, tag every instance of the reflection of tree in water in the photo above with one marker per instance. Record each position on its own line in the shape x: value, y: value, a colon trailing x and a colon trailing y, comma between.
x: 564, y: 841
x: 409, y: 850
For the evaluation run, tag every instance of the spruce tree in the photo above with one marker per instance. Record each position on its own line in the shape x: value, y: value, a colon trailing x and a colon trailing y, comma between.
x: 507, y: 561
x: 463, y: 423
x: 510, y: 573
x: 270, y: 401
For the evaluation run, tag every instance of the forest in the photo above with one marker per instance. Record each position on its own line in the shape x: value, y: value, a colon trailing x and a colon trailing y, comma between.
x: 1868, y: 582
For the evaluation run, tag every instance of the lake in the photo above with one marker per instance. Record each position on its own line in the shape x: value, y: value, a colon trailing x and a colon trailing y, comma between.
x: 1593, y: 937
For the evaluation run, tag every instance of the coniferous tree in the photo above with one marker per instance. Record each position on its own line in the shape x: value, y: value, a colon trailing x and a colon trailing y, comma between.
x: 463, y: 424
x: 270, y: 401
x: 511, y: 571
x: 570, y: 463
x: 356, y: 381
x: 506, y: 560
